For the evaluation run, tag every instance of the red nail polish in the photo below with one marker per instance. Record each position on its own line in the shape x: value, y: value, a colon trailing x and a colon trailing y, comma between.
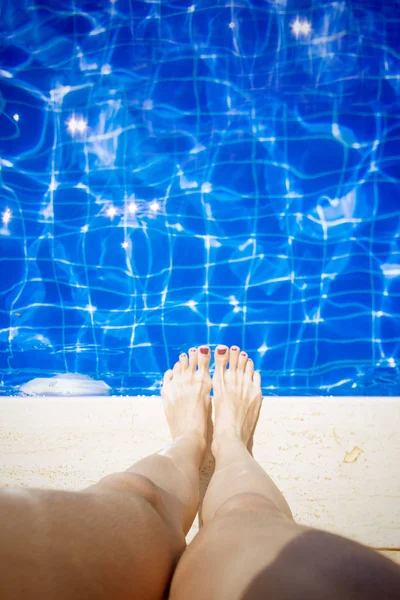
x: 234, y: 349
x: 221, y: 351
x: 204, y: 350
x: 243, y: 353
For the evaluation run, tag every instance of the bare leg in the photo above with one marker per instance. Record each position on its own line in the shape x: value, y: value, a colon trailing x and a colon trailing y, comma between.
x: 250, y: 548
x: 123, y: 537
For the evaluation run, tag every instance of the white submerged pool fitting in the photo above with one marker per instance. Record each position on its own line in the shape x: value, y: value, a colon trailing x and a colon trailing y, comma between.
x: 68, y: 384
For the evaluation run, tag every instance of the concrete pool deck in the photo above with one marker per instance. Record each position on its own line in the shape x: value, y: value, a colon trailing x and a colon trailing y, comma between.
x: 337, y: 460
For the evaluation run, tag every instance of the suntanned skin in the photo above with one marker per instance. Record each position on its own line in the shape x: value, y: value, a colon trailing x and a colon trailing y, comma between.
x: 124, y: 538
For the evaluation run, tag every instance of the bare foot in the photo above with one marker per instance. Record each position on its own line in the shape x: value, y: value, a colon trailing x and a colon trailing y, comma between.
x: 237, y: 394
x: 186, y: 393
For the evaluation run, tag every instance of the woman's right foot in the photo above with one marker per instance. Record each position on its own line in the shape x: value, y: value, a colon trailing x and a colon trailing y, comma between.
x: 237, y: 394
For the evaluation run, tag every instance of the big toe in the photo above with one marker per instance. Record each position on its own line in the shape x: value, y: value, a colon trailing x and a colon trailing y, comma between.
x: 221, y: 357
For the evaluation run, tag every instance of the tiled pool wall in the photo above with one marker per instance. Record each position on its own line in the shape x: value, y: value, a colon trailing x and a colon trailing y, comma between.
x: 179, y: 173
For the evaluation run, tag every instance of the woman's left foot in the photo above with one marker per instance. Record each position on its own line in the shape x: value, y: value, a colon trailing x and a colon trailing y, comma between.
x: 186, y: 393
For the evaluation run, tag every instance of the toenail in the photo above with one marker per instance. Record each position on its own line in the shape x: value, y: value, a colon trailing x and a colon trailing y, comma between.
x: 243, y: 353
x: 183, y: 355
x: 234, y: 349
x: 204, y: 350
x: 221, y: 351
x: 192, y: 349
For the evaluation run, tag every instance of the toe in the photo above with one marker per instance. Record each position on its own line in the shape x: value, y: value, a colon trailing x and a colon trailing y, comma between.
x: 249, y: 368
x: 257, y: 378
x: 184, y: 361
x: 168, y: 375
x: 177, y: 368
x: 234, y: 357
x: 221, y: 356
x: 193, y: 358
x: 242, y: 361
x: 203, y: 357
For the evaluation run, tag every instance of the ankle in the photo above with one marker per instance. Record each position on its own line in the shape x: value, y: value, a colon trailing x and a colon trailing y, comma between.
x: 194, y: 441
x: 228, y: 437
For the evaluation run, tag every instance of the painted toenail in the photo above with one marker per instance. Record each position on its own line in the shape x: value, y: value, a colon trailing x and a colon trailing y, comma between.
x: 243, y: 353
x: 204, y: 350
x: 234, y: 349
x: 192, y: 349
x: 221, y: 351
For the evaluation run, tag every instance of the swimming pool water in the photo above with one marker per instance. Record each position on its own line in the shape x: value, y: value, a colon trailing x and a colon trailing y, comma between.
x: 179, y: 173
